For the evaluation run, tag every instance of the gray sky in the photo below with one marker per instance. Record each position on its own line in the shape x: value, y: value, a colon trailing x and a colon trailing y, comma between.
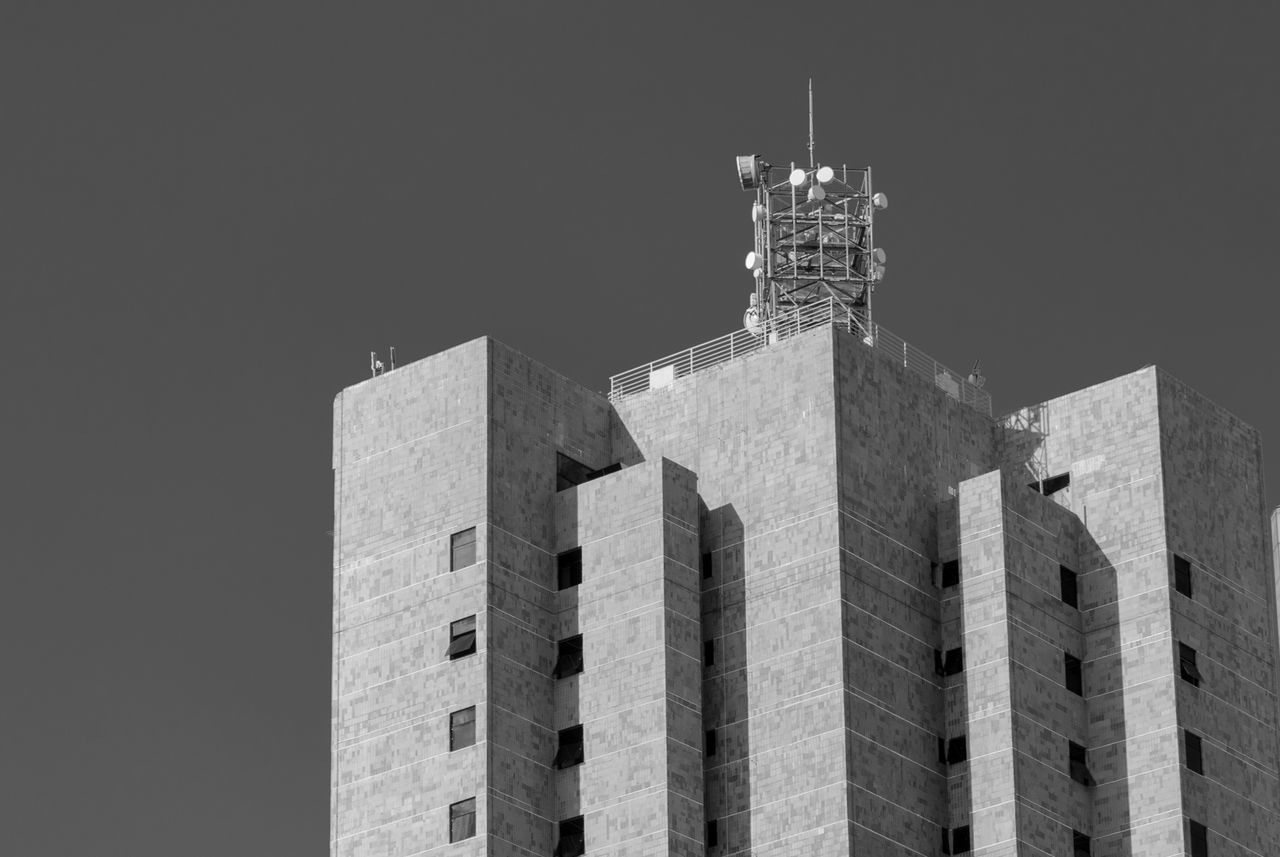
x: 211, y: 215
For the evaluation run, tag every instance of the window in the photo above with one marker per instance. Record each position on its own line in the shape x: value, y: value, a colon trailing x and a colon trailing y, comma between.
x: 1187, y: 664
x: 1052, y: 485
x: 709, y: 742
x: 1182, y: 575
x: 713, y: 834
x: 706, y: 566
x: 961, y: 841
x: 1070, y: 587
x: 572, y: 842
x: 462, y: 728
x: 950, y: 573
x: 1074, y: 670
x: 570, y: 472
x: 568, y: 657
x: 569, y: 568
x: 570, y: 752
x: 1080, y: 844
x: 1199, y: 840
x: 462, y: 820
x: 708, y: 652
x: 950, y: 663
x: 462, y: 638
x: 462, y: 549
x: 1195, y: 753
x: 957, y: 750
x: 946, y: 840
x: 1079, y: 764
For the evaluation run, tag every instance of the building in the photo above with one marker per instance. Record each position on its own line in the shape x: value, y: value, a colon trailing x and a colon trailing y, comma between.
x: 807, y: 600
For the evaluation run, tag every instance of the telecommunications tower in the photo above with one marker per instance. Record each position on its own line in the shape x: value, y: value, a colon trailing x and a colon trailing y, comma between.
x: 814, y: 239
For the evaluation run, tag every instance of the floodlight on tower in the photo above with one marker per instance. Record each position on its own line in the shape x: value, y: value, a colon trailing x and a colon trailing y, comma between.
x: 814, y: 240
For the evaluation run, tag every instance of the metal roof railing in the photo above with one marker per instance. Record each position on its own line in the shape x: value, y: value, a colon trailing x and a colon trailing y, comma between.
x: 663, y: 372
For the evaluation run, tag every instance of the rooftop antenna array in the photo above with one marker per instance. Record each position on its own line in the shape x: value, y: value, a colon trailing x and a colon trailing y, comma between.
x: 814, y: 238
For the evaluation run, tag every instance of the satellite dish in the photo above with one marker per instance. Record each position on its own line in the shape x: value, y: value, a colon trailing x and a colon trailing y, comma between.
x: 748, y: 171
x: 754, y: 261
x: 752, y: 322
x: 825, y: 174
x: 816, y: 193
x: 757, y: 212
x: 796, y: 178
x: 879, y: 256
x: 880, y: 201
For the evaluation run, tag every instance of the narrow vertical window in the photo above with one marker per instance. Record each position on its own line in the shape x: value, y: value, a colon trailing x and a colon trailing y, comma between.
x: 706, y: 566
x: 1079, y: 764
x: 1080, y: 845
x: 568, y: 657
x: 708, y: 652
x: 713, y: 834
x: 961, y: 841
x: 1187, y: 665
x: 569, y: 568
x: 572, y: 841
x: 462, y: 638
x: 946, y: 837
x: 1195, y: 753
x: 950, y: 573
x: 1182, y: 575
x: 1074, y: 670
x: 1199, y: 840
x: 462, y: 549
x: 951, y: 663
x: 462, y: 820
x: 709, y: 742
x: 571, y: 751
x: 462, y: 728
x: 1070, y: 587
x: 957, y: 750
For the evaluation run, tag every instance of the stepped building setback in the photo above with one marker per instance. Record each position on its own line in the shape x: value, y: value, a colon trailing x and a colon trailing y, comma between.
x: 802, y: 597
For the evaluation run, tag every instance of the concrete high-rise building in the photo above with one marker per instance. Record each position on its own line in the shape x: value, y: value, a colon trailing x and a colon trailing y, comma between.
x: 807, y: 600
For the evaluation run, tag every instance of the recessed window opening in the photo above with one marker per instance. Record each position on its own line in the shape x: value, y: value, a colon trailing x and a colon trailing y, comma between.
x: 1052, y: 485
x: 462, y: 638
x: 462, y: 728
x: 1187, y: 665
x: 571, y: 751
x: 462, y: 820
x: 708, y: 652
x: 1079, y: 764
x: 713, y: 834
x: 950, y: 573
x: 568, y: 657
x: 1070, y: 586
x: 569, y: 568
x: 961, y: 841
x: 1074, y: 670
x: 1080, y: 844
x: 1199, y: 839
x: 572, y: 841
x: 949, y: 664
x: 462, y: 549
x: 709, y: 742
x: 706, y: 566
x: 1182, y: 575
x: 1195, y: 753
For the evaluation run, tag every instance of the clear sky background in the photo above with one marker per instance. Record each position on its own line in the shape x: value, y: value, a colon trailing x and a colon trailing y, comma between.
x: 211, y: 213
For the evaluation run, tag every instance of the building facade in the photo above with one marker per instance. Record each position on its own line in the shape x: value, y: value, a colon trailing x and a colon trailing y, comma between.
x: 802, y: 602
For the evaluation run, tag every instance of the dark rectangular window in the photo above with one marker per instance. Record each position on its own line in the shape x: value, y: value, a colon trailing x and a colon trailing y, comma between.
x: 709, y: 742
x: 462, y: 820
x: 957, y: 750
x: 949, y: 664
x: 950, y: 573
x: 1195, y: 753
x: 1080, y: 844
x: 569, y: 568
x: 708, y: 652
x: 1074, y: 670
x: 570, y: 472
x: 713, y: 834
x: 568, y: 657
x: 572, y: 841
x: 571, y: 751
x: 1199, y: 840
x: 942, y: 750
x: 1079, y: 763
x: 462, y: 638
x: 946, y: 837
x: 1070, y: 587
x: 462, y: 549
x: 1187, y: 664
x: 1182, y: 575
x: 1052, y: 485
x: 706, y: 566
x: 462, y: 728
x: 961, y: 841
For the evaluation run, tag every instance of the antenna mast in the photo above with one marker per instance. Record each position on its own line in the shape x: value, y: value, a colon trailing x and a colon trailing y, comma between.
x: 814, y: 238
